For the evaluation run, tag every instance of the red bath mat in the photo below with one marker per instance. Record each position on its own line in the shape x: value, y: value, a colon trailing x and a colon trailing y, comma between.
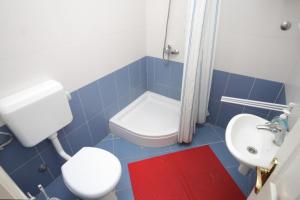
x: 186, y: 175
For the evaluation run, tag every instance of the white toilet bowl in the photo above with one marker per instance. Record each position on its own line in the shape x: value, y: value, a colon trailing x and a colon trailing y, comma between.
x: 92, y: 173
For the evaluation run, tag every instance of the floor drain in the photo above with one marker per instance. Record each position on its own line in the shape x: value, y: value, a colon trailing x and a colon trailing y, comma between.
x: 252, y: 150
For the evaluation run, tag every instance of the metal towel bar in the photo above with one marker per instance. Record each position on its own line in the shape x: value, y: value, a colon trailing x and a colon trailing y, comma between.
x: 259, y: 104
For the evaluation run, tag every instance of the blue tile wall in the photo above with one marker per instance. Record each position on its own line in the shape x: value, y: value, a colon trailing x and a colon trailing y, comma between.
x: 92, y: 106
x: 163, y: 77
x: 234, y: 85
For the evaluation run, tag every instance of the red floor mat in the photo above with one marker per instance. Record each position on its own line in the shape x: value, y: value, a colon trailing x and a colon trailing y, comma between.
x: 186, y: 175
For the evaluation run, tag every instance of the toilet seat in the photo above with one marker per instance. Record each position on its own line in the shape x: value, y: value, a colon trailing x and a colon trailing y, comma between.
x: 91, y: 173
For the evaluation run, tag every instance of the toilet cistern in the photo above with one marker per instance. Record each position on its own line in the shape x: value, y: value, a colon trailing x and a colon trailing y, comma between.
x: 36, y: 113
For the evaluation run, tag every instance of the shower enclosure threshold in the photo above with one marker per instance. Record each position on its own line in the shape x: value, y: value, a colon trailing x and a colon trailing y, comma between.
x: 151, y: 120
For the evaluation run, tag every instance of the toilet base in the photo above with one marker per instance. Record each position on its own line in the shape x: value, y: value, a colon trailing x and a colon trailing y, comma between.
x: 110, y: 196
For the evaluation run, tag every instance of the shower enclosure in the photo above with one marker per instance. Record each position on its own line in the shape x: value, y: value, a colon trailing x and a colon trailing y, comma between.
x: 153, y: 118
x: 156, y: 120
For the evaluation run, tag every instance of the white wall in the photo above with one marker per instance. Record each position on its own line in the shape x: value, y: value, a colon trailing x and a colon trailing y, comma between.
x: 74, y: 42
x: 250, y: 42
x: 293, y: 92
x: 156, y: 14
x: 293, y: 84
x: 293, y: 81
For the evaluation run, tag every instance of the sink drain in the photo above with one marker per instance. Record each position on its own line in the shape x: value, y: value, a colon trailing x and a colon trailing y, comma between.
x: 252, y: 150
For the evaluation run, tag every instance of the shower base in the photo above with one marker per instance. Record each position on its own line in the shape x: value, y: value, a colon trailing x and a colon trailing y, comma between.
x: 151, y: 120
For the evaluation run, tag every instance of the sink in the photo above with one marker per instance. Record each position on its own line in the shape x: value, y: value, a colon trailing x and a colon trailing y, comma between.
x: 250, y: 146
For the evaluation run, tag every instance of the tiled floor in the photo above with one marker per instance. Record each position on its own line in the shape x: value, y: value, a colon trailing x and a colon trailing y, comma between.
x: 128, y: 152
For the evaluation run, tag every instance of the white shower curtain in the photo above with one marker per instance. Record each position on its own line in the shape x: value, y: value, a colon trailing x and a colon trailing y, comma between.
x: 198, y: 65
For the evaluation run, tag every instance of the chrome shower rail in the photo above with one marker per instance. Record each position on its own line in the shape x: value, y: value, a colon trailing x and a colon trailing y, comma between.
x: 166, y: 31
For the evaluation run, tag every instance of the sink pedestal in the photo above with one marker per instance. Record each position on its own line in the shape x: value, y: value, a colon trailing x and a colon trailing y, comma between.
x: 244, y: 169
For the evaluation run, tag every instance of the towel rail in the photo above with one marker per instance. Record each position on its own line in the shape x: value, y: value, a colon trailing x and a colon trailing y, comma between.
x: 259, y: 104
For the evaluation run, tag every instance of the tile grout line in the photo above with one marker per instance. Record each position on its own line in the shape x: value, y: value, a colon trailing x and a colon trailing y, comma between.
x: 220, y: 104
x: 278, y: 94
x: 119, y: 97
x: 101, y: 95
x: 216, y: 132
x: 130, y: 83
x: 113, y: 146
x: 75, y: 129
x: 195, y: 146
x: 86, y: 119
x: 227, y: 83
x: 231, y: 166
x: 169, y: 81
x: 105, y: 109
x: 275, y: 100
x: 154, y: 73
x: 218, y: 113
x: 147, y: 72
x: 23, y: 164
x: 214, y: 143
x: 44, y: 162
x: 62, y: 137
x: 250, y: 92
x: 115, y: 85
x: 67, y: 141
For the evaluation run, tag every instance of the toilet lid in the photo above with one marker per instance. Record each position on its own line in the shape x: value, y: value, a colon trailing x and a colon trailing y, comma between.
x: 91, y: 172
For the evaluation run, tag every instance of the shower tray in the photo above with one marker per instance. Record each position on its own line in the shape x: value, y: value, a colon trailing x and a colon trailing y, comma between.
x: 151, y: 120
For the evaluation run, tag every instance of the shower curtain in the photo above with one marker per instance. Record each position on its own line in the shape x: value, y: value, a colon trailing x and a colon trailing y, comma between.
x: 198, y: 66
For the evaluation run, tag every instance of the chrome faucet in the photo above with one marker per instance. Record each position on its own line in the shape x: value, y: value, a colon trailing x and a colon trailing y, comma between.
x: 273, y: 127
x: 169, y: 50
x: 276, y: 128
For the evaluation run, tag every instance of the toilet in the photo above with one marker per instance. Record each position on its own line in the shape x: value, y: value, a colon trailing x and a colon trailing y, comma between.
x: 36, y: 114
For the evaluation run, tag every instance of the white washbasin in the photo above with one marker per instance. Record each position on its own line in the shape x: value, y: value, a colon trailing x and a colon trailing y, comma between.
x: 242, y: 134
